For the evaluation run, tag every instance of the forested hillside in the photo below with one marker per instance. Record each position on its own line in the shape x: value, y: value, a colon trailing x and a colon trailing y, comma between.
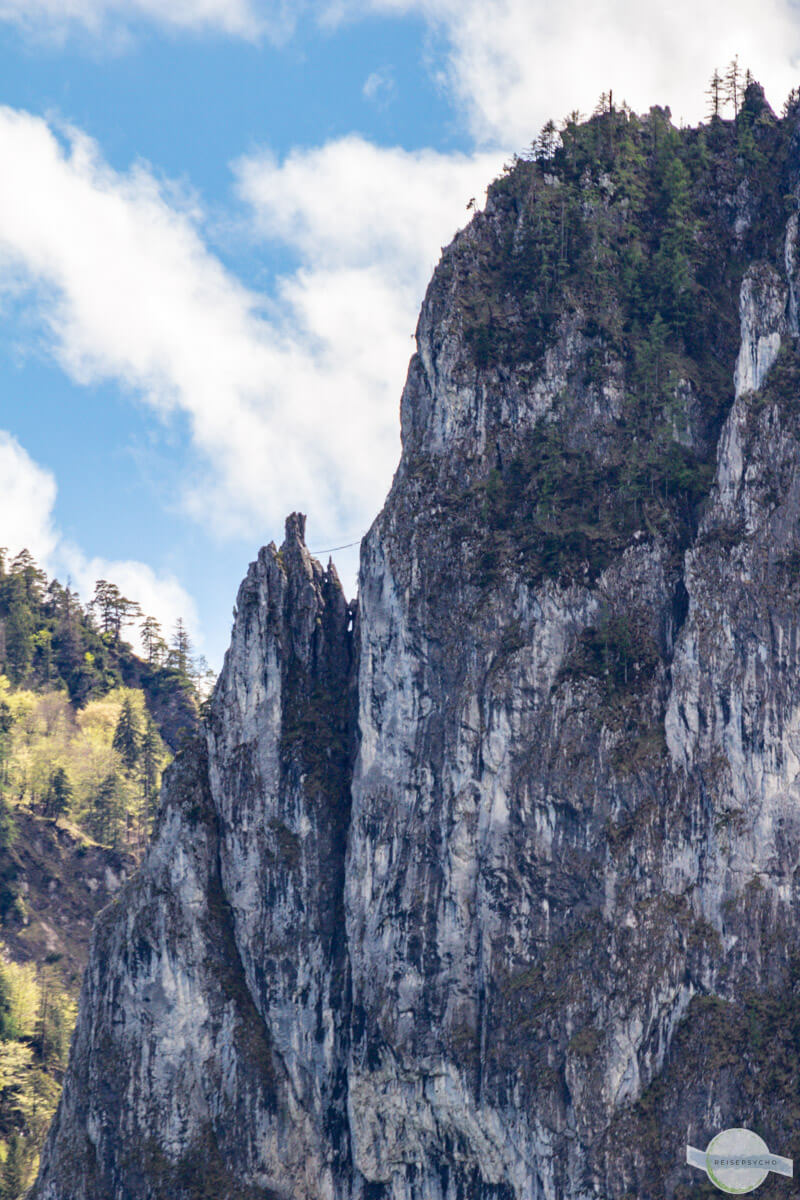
x: 87, y: 727
x: 49, y: 640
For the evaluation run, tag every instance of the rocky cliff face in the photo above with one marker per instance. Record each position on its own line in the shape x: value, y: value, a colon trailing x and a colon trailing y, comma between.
x: 487, y: 891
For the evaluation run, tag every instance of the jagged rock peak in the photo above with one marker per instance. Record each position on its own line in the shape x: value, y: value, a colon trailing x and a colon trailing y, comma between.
x: 489, y: 893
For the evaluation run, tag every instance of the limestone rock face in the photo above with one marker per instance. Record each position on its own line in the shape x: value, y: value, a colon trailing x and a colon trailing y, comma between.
x: 487, y: 889
x: 764, y: 311
x: 219, y: 1059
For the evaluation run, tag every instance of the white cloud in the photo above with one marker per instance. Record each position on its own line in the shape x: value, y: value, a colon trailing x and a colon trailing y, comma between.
x: 368, y: 224
x: 512, y: 64
x: 289, y: 405
x: 56, y: 18
x: 27, y: 497
x: 353, y: 203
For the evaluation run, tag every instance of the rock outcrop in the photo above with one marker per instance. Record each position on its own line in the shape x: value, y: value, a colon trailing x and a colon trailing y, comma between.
x: 487, y: 890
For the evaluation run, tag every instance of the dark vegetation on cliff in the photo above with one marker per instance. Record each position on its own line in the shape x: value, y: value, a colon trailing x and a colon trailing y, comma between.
x: 626, y: 239
x: 636, y: 233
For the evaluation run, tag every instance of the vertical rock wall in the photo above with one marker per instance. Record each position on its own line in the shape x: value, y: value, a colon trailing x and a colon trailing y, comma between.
x: 488, y: 890
x: 210, y: 1054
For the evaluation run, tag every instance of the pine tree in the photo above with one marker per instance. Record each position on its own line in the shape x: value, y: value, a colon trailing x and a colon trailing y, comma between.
x: 14, y: 1169
x: 733, y: 83
x: 715, y: 94
x: 127, y: 612
x: 127, y: 736
x: 148, y: 765
x: 42, y: 643
x: 106, y: 814
x: 59, y: 794
x: 181, y: 649
x: 24, y: 567
x: 68, y: 613
x: 104, y: 604
x: 152, y: 641
x: 44, y: 1007
x: 547, y: 142
x: 113, y: 610
x: 18, y: 626
x: 7, y: 829
x: 203, y: 676
x: 791, y: 104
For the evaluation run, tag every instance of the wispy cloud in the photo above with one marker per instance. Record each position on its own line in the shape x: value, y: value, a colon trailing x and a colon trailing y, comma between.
x: 27, y: 499
x: 380, y: 87
x: 291, y: 403
x: 112, y: 19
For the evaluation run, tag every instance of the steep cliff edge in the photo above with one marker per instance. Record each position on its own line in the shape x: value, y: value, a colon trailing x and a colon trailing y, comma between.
x: 210, y: 1053
x: 487, y: 891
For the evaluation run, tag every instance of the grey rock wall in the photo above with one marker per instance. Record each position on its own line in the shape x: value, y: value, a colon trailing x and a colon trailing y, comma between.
x: 486, y: 891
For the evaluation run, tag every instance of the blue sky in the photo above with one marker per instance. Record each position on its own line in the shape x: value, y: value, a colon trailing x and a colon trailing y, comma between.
x: 217, y: 220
